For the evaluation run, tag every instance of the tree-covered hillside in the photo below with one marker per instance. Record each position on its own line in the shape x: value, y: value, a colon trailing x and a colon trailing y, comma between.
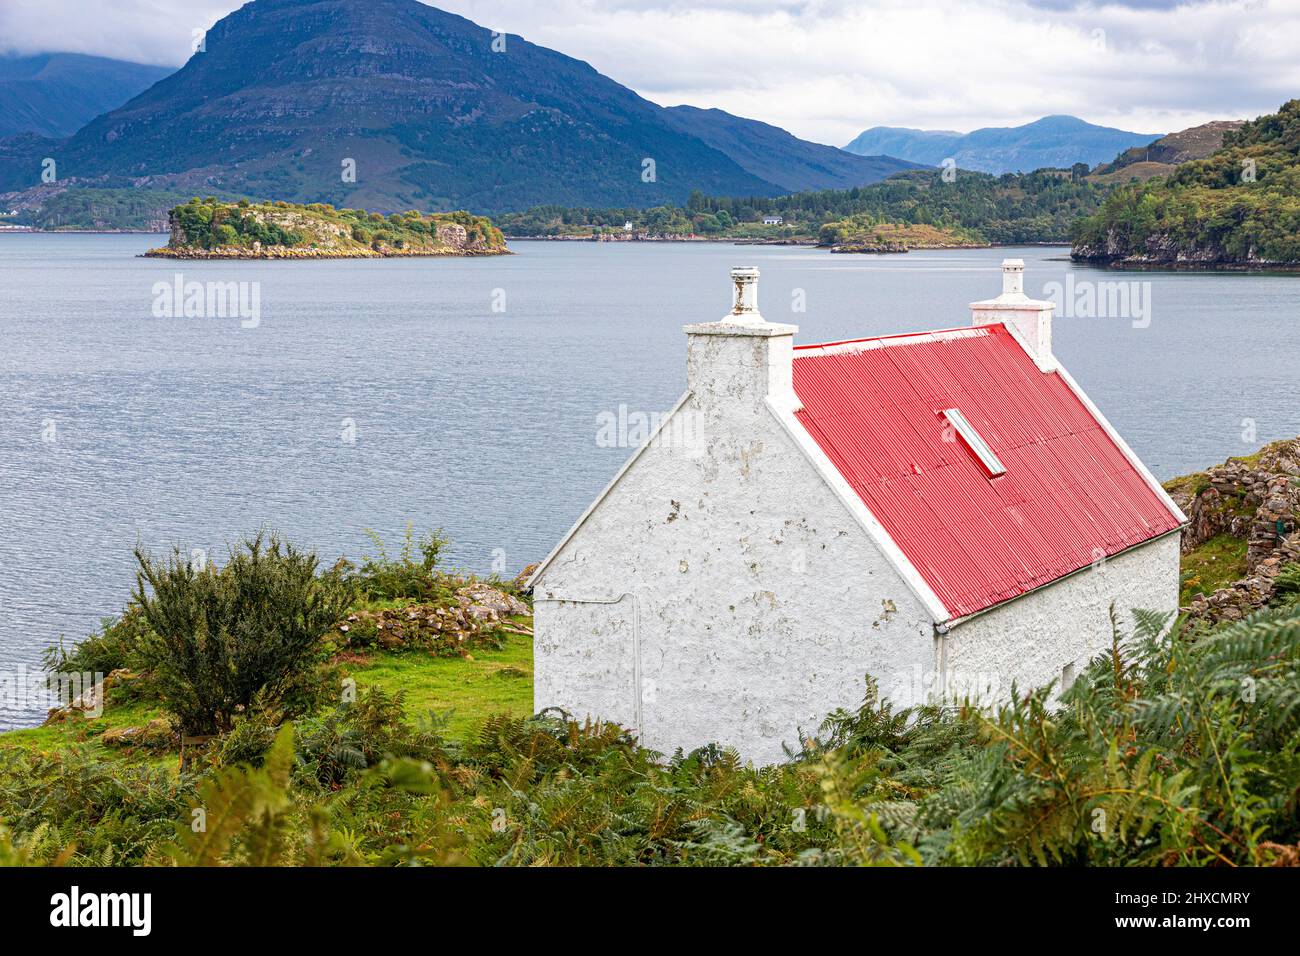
x: 1238, y: 207
x: 1034, y: 207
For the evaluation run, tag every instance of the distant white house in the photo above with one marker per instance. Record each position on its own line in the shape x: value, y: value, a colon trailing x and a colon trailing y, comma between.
x: 772, y: 220
x: 945, y: 511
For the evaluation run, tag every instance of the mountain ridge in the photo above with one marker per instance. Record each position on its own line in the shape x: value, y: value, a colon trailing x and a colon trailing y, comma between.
x: 55, y: 94
x: 1055, y: 141
x: 779, y: 156
x: 430, y: 115
x: 427, y: 109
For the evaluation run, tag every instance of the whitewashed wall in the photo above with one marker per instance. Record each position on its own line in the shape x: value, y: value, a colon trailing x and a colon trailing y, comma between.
x: 757, y: 602
x: 1030, y: 640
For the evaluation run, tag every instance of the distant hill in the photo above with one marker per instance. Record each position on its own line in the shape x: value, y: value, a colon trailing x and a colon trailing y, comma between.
x: 976, y: 207
x: 1054, y: 141
x: 1237, y: 208
x: 771, y: 153
x: 434, y: 112
x: 55, y: 94
x: 1160, y: 157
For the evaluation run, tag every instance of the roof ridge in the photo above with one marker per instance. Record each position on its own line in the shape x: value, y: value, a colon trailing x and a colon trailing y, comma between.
x: 904, y: 338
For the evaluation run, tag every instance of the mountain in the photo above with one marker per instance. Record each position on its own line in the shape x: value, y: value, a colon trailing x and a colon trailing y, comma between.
x: 55, y: 94
x: 1237, y: 208
x: 1160, y: 158
x: 1053, y: 141
x: 430, y: 110
x: 771, y: 153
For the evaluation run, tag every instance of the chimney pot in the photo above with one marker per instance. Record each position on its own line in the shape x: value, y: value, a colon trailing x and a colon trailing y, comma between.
x: 1013, y: 276
x: 745, y: 297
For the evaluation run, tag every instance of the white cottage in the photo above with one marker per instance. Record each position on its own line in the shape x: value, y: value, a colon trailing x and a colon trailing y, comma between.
x: 946, y: 511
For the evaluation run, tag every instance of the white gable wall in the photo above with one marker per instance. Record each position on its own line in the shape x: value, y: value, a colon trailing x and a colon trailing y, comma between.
x: 738, y: 592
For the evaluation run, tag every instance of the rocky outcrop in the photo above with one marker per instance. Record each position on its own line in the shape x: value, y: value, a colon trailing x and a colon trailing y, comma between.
x: 874, y: 248
x: 484, y: 601
x: 861, y: 235
x: 1256, y: 499
x: 116, y: 686
x: 1163, y: 251
x: 478, y: 616
x: 1197, y: 142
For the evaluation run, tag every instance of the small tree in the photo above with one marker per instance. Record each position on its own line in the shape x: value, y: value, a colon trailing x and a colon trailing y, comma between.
x: 225, y: 640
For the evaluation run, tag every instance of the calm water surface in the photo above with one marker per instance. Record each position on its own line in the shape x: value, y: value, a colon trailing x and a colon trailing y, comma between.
x: 192, y: 432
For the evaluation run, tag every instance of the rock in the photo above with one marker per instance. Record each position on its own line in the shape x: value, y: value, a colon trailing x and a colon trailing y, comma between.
x: 485, y: 596
x: 155, y: 735
x: 474, y: 620
x: 521, y: 579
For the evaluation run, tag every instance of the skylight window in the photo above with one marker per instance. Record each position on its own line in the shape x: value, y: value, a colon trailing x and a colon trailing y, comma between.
x: 974, y: 442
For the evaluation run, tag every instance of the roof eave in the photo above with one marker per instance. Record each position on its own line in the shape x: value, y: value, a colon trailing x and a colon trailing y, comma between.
x: 946, y: 626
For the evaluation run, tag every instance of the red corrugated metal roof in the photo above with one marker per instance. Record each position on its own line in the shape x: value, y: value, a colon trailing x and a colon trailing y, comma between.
x: 1069, y: 495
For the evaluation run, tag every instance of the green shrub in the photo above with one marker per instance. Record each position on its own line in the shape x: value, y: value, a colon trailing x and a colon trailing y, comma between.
x: 247, y: 742
x: 224, y: 641
x: 115, y: 646
x: 359, y: 734
x: 410, y: 575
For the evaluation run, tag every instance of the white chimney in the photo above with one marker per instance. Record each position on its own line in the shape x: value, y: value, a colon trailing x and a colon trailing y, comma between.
x: 1013, y: 276
x: 744, y: 305
x: 1029, y: 320
x: 742, y: 358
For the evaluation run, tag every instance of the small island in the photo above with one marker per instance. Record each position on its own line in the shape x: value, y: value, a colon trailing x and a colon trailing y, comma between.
x: 214, y: 229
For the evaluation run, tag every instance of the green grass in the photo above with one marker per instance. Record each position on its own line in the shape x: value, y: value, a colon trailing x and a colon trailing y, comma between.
x: 87, y: 730
x: 1215, y: 564
x: 491, y: 682
x: 494, y: 682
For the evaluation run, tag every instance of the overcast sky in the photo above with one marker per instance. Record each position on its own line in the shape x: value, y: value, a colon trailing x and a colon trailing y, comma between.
x: 827, y: 69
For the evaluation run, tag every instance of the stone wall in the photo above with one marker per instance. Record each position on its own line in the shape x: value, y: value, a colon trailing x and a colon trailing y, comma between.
x: 1256, y: 499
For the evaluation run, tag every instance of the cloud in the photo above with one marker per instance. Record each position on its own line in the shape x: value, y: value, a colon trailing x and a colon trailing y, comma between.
x: 142, y: 31
x: 826, y: 69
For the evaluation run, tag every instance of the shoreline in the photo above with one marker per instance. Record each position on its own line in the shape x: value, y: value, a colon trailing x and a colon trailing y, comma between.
x: 30, y: 230
x: 288, y: 253
x: 1209, y: 268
